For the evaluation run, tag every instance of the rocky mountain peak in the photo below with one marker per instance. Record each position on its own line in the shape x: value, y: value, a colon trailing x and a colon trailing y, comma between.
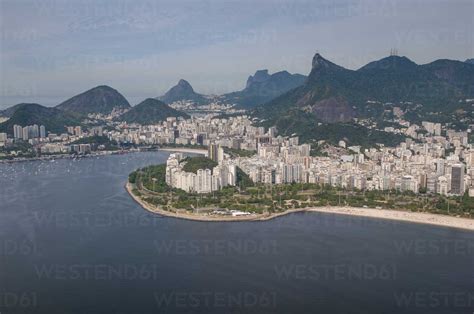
x: 185, y: 84
x: 259, y: 76
x: 320, y: 63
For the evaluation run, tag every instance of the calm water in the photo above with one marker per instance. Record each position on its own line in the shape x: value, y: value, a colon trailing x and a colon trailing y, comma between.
x: 72, y: 241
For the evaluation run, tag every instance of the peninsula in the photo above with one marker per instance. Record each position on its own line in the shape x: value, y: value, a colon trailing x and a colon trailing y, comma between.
x: 397, y: 215
x: 178, y: 189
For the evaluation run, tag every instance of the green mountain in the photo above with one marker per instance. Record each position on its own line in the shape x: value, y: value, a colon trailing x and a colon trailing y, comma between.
x: 260, y: 88
x: 53, y: 119
x: 324, y: 94
x: 8, y: 112
x: 393, y: 79
x: 182, y: 91
x: 335, y: 94
x: 101, y: 99
x: 263, y: 87
x: 150, y: 111
x: 455, y: 74
x: 438, y: 85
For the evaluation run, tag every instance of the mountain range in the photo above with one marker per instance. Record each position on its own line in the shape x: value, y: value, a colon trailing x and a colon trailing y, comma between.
x: 101, y: 99
x: 263, y: 87
x: 334, y: 94
x: 260, y: 88
x: 293, y: 102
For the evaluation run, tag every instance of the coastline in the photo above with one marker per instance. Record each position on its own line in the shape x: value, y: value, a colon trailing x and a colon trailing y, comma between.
x: 69, y: 156
x: 104, y: 153
x: 398, y: 215
x: 187, y: 216
x: 184, y: 150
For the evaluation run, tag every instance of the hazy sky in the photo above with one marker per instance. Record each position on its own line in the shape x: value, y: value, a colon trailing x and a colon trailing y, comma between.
x: 51, y: 50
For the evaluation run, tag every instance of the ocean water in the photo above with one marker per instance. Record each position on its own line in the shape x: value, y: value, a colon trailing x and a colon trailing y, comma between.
x: 73, y: 241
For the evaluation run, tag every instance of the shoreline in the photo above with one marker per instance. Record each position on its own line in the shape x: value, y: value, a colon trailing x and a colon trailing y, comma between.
x: 388, y: 214
x: 186, y: 216
x: 184, y: 150
x: 104, y: 153
x: 71, y: 156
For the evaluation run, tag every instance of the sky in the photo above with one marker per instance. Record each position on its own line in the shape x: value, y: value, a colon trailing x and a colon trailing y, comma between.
x: 51, y: 50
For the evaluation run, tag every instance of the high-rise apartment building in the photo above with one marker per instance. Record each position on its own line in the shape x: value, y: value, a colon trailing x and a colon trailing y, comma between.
x: 457, y: 179
x: 42, y: 131
x: 213, y: 152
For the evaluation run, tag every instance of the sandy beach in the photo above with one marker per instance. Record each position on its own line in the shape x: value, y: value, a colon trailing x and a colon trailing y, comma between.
x: 411, y: 217
x: 185, y: 150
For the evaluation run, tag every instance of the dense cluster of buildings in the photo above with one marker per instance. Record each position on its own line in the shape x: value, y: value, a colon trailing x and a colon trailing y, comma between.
x: 408, y: 167
x: 59, y: 148
x: 433, y: 159
x: 433, y: 163
x: 29, y: 132
x: 204, y: 180
x: 236, y: 132
x: 50, y: 143
x: 213, y: 106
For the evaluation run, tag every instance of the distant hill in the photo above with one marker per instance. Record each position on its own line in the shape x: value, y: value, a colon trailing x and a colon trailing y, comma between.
x: 471, y: 61
x: 101, y: 99
x: 150, y: 111
x: 53, y: 119
x: 333, y: 94
x: 324, y: 94
x: 182, y: 91
x: 455, y: 75
x: 263, y: 87
x: 8, y: 112
x: 260, y: 88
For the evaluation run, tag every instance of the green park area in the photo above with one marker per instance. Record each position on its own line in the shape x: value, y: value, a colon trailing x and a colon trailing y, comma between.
x: 149, y: 184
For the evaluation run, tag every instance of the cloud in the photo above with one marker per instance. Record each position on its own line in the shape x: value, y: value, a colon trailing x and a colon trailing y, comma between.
x: 142, y: 48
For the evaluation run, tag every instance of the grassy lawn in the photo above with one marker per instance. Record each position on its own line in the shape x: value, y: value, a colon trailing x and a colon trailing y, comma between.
x: 150, y: 182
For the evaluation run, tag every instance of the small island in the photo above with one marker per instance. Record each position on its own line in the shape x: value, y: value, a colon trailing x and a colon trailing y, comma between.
x: 244, y: 200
